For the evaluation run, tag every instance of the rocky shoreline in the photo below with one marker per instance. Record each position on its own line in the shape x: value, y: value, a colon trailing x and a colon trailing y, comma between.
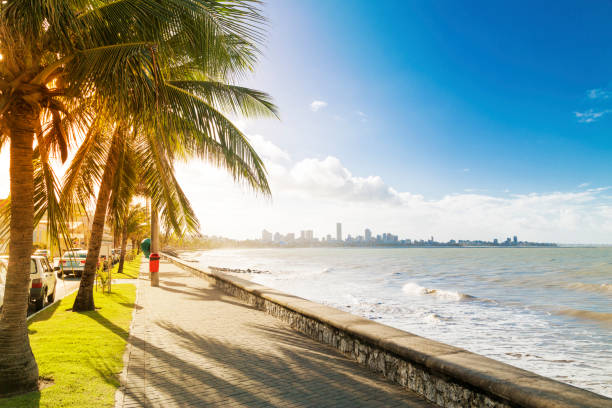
x: 230, y: 270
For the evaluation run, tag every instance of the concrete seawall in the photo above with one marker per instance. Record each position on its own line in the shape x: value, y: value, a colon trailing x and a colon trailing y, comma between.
x: 446, y: 375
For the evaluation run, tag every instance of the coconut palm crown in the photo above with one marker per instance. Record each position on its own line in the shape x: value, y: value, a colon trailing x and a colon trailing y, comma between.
x: 72, y: 65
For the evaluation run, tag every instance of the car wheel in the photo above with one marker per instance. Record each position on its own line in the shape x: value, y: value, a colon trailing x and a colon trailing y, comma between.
x: 60, y: 275
x: 51, y: 297
x: 40, y: 302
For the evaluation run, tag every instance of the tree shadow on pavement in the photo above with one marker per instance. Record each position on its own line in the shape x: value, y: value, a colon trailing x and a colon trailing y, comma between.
x: 204, y: 371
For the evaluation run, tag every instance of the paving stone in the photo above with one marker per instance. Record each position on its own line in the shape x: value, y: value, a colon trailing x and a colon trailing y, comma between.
x: 192, y: 345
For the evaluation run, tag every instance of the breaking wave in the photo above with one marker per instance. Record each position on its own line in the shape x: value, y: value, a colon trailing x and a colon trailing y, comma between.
x: 412, y: 288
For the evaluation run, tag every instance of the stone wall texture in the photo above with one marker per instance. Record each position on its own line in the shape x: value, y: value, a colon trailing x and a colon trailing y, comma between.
x: 446, y: 375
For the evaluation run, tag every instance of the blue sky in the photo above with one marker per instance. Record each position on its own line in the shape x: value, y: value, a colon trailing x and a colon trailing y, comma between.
x: 462, y: 120
x: 446, y: 86
x: 457, y: 119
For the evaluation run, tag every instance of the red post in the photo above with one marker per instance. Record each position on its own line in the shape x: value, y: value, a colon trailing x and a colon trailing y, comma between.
x: 154, y: 268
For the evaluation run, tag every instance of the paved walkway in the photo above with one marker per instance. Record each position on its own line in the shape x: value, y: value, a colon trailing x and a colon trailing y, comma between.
x: 191, y: 345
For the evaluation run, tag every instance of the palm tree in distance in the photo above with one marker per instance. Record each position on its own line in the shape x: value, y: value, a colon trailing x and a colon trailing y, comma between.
x: 131, y: 226
x: 70, y: 66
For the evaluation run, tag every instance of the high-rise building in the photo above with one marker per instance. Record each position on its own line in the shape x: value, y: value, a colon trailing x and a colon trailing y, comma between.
x: 515, y: 240
x: 308, y: 235
x: 368, y: 234
x: 339, y: 231
x: 266, y: 236
x: 277, y: 237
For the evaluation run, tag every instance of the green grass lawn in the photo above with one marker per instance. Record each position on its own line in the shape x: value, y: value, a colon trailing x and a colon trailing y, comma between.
x: 131, y: 269
x: 81, y: 352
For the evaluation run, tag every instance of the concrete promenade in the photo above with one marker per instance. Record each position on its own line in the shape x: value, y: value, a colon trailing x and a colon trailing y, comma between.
x: 192, y: 345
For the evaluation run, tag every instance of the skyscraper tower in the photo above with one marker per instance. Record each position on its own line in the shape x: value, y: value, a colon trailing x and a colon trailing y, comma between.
x: 368, y: 234
x: 339, y: 232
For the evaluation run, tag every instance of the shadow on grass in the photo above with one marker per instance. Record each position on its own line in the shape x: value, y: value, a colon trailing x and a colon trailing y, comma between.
x: 105, y: 370
x: 45, y: 314
x: 29, y: 400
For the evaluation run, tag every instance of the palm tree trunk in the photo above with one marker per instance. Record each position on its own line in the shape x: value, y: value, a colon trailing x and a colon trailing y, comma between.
x: 154, y: 229
x: 18, y: 368
x: 84, y: 300
x: 124, y: 239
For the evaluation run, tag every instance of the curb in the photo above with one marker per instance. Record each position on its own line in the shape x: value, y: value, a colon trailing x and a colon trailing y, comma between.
x: 120, y: 393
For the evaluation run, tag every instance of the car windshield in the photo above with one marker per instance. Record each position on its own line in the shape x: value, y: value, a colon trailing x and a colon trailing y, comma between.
x: 32, y: 266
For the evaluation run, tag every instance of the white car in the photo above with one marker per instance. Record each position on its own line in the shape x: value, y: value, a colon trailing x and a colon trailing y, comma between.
x: 73, y: 262
x: 42, y: 280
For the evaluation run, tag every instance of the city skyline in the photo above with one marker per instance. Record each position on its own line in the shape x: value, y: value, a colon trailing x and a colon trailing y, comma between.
x: 385, y: 238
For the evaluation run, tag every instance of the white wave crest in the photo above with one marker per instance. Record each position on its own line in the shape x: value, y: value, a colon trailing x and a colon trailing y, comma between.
x: 415, y: 289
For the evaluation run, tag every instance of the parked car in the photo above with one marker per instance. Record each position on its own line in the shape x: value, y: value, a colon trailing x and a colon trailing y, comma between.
x: 42, y: 252
x: 43, y: 283
x: 42, y: 280
x: 73, y: 262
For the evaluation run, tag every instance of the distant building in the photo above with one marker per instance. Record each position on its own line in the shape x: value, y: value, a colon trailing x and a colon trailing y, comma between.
x: 290, y: 237
x: 368, y: 234
x: 266, y: 236
x: 308, y: 235
x: 515, y: 240
x: 277, y: 237
x: 495, y: 241
x: 339, y: 231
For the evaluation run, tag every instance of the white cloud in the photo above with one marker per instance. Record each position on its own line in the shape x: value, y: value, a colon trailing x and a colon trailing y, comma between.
x: 327, y: 178
x: 316, y: 105
x: 315, y: 193
x: 590, y: 115
x: 582, y: 185
x: 466, y: 170
x: 268, y: 150
x: 362, y: 116
x: 598, y: 93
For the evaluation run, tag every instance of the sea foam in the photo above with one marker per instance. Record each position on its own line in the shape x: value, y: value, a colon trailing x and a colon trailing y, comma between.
x: 415, y: 289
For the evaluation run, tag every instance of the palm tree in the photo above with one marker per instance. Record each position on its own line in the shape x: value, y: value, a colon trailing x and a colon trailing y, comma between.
x: 131, y: 225
x: 66, y: 63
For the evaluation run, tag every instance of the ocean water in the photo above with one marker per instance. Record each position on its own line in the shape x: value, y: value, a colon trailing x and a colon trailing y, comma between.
x: 544, y: 310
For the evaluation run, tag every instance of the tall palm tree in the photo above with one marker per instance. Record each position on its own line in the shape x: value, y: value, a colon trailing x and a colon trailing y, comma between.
x: 64, y: 60
x: 118, y: 163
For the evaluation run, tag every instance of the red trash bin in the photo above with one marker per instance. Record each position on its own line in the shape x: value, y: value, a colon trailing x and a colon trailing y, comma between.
x: 154, y: 263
